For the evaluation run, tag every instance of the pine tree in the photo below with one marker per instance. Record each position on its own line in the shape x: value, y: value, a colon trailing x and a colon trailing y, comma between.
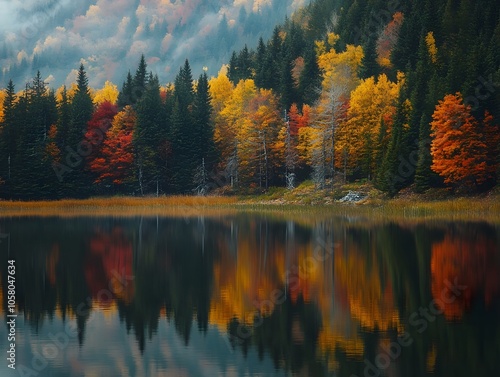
x: 369, y: 65
x: 260, y: 56
x: 244, y: 64
x: 204, y: 145
x: 146, y: 137
x: 395, y: 171
x: 286, y: 87
x: 423, y: 173
x: 77, y: 181
x: 125, y: 95
x: 139, y: 82
x: 32, y: 174
x: 310, y: 78
x: 63, y: 119
x: 8, y: 137
x: 232, y: 72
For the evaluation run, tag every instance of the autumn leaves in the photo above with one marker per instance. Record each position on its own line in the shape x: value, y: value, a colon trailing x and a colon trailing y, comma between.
x: 464, y: 149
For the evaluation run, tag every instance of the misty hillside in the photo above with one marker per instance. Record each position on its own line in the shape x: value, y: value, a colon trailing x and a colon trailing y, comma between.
x: 54, y: 36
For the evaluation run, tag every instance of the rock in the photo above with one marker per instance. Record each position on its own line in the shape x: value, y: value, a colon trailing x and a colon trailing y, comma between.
x: 352, y: 197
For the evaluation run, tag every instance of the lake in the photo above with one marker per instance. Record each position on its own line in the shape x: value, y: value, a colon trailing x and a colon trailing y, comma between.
x: 250, y: 294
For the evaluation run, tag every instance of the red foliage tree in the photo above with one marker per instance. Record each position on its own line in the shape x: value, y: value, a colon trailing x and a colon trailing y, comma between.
x: 114, y: 164
x: 98, y: 125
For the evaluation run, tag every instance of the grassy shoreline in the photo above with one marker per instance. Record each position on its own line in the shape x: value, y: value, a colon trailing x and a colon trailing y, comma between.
x: 485, y: 208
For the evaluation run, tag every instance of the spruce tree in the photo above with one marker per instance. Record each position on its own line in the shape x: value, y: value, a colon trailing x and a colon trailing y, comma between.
x: 146, y: 138
x: 139, y: 81
x: 182, y: 132
x: 369, y: 65
x: 76, y: 181
x: 310, y: 78
x: 204, y: 147
x: 244, y: 64
x: 32, y: 175
x: 286, y: 87
x: 394, y: 172
x: 125, y: 95
x: 8, y: 137
x: 423, y: 171
x: 63, y: 119
x: 232, y: 72
x: 260, y: 56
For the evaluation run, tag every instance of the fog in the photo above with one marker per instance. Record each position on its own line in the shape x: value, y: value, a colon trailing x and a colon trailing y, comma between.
x: 109, y: 36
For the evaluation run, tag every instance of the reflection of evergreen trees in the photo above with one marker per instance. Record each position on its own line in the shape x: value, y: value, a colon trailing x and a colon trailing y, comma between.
x: 289, y: 335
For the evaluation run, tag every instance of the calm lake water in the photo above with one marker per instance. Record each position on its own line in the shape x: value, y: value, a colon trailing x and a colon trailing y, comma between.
x: 251, y: 295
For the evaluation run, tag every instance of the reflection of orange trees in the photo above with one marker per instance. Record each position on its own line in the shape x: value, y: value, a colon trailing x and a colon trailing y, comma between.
x: 370, y: 301
x: 244, y: 280
x: 472, y: 261
x: 51, y: 264
x: 360, y: 299
x: 247, y: 279
x: 108, y: 264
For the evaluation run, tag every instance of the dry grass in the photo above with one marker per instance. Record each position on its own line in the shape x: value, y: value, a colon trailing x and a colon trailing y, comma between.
x: 377, y: 209
x: 118, y: 206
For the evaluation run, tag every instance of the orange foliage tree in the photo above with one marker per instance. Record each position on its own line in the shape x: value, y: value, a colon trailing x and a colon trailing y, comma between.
x: 461, y: 151
x: 470, y: 260
x: 115, y: 162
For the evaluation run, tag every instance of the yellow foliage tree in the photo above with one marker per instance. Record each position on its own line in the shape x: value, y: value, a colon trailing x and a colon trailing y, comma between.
x: 370, y: 103
x: 109, y: 92
x: 431, y: 46
x: 220, y: 88
x: 2, y: 98
x: 258, y: 146
x: 339, y: 68
x: 228, y: 121
x: 340, y: 77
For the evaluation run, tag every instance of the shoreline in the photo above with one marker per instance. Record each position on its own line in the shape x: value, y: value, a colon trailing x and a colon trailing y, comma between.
x: 414, y: 208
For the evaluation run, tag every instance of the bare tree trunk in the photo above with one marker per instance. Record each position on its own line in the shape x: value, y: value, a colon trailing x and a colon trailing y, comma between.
x: 265, y: 158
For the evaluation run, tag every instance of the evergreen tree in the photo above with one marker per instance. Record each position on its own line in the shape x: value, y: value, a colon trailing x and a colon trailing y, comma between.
x: 139, y: 82
x: 146, y: 137
x: 76, y: 181
x: 232, y: 72
x: 423, y: 171
x: 310, y: 78
x: 8, y: 137
x: 286, y: 87
x: 369, y: 65
x: 260, y: 56
x: 32, y: 176
x: 63, y: 119
x: 125, y: 95
x: 244, y: 65
x: 182, y: 130
x: 395, y: 170
x: 204, y: 147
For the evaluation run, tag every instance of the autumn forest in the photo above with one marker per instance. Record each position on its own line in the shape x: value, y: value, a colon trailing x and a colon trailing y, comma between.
x: 398, y: 94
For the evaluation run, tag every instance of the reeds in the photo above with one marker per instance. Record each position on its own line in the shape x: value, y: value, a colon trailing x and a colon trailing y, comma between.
x: 459, y: 209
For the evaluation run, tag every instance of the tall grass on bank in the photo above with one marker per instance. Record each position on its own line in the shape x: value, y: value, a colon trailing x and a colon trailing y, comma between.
x: 459, y: 209
x: 119, y: 206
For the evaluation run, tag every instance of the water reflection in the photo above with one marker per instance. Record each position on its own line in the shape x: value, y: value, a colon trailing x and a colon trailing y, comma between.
x: 247, y: 295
